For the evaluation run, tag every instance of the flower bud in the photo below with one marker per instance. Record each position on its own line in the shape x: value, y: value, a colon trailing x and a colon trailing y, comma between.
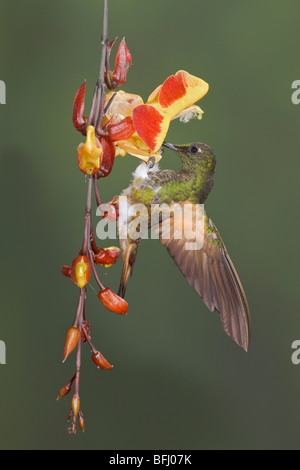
x: 66, y: 271
x: 122, y: 64
x: 100, y: 361
x: 72, y: 337
x: 75, y: 405
x: 81, y: 271
x: 109, y: 210
x: 107, y: 256
x: 112, y: 301
x: 65, y: 389
x: 81, y: 422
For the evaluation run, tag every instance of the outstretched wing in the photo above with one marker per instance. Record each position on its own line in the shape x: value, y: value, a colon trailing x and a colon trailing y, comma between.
x: 210, y: 271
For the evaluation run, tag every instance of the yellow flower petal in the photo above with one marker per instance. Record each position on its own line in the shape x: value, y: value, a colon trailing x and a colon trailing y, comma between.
x: 181, y: 91
x: 122, y: 105
x: 178, y: 93
x: 136, y: 147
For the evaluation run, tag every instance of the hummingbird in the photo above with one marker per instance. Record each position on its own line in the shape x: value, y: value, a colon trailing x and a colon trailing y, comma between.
x: 207, y: 266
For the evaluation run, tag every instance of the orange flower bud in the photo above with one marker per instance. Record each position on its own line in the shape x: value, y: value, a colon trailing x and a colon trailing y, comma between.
x: 75, y: 405
x: 112, y: 301
x: 66, y: 271
x: 81, y: 422
x: 107, y: 256
x: 65, y: 389
x: 72, y: 337
x: 81, y: 271
x: 100, y: 361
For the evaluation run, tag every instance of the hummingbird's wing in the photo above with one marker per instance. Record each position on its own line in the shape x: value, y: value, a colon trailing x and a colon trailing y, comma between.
x: 209, y: 270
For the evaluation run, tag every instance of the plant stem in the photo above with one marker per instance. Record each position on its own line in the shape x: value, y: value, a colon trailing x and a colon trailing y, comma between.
x: 88, y: 210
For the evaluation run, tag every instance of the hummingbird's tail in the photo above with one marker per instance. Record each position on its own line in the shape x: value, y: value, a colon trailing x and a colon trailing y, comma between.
x: 128, y: 262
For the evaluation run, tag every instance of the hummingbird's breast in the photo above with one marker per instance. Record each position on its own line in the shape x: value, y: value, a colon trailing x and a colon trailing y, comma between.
x: 146, y: 184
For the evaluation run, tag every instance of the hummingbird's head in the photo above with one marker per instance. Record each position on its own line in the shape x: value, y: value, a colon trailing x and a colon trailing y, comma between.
x: 196, y: 154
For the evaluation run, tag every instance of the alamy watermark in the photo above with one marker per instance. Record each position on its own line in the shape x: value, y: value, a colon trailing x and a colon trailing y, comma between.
x: 2, y: 92
x: 296, y: 94
x: 2, y: 343
x: 178, y: 221
x: 2, y: 352
x: 296, y: 354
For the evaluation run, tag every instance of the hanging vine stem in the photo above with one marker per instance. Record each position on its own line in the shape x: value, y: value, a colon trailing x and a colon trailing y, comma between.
x: 99, y: 152
x: 97, y: 107
x: 95, y: 118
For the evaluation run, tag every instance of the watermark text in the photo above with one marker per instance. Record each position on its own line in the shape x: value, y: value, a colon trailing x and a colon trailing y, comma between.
x: 177, y: 221
x: 2, y: 92
x: 2, y: 352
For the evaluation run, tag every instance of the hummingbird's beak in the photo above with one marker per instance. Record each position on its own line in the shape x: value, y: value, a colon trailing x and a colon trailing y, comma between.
x: 170, y: 146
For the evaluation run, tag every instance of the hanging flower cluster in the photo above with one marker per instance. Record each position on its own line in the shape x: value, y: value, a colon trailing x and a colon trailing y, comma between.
x: 118, y: 123
x: 130, y: 126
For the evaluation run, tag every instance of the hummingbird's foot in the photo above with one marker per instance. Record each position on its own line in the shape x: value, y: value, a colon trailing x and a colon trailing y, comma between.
x: 151, y: 162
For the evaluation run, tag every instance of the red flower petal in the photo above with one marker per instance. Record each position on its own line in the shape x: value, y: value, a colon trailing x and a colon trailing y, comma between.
x: 121, y: 130
x: 148, y: 124
x: 108, y: 157
x: 172, y: 90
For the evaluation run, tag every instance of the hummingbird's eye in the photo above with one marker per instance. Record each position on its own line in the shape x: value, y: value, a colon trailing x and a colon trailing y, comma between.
x: 194, y: 149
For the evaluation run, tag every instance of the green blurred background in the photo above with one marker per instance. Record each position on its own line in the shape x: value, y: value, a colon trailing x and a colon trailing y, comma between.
x: 178, y: 380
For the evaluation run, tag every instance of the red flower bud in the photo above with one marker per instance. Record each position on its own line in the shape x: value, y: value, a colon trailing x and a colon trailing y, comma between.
x: 112, y: 301
x: 79, y: 120
x: 121, y: 130
x: 110, y: 209
x: 107, y: 256
x: 81, y: 271
x: 100, y: 361
x: 122, y: 64
x: 108, y: 157
x: 66, y: 271
x: 72, y: 337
